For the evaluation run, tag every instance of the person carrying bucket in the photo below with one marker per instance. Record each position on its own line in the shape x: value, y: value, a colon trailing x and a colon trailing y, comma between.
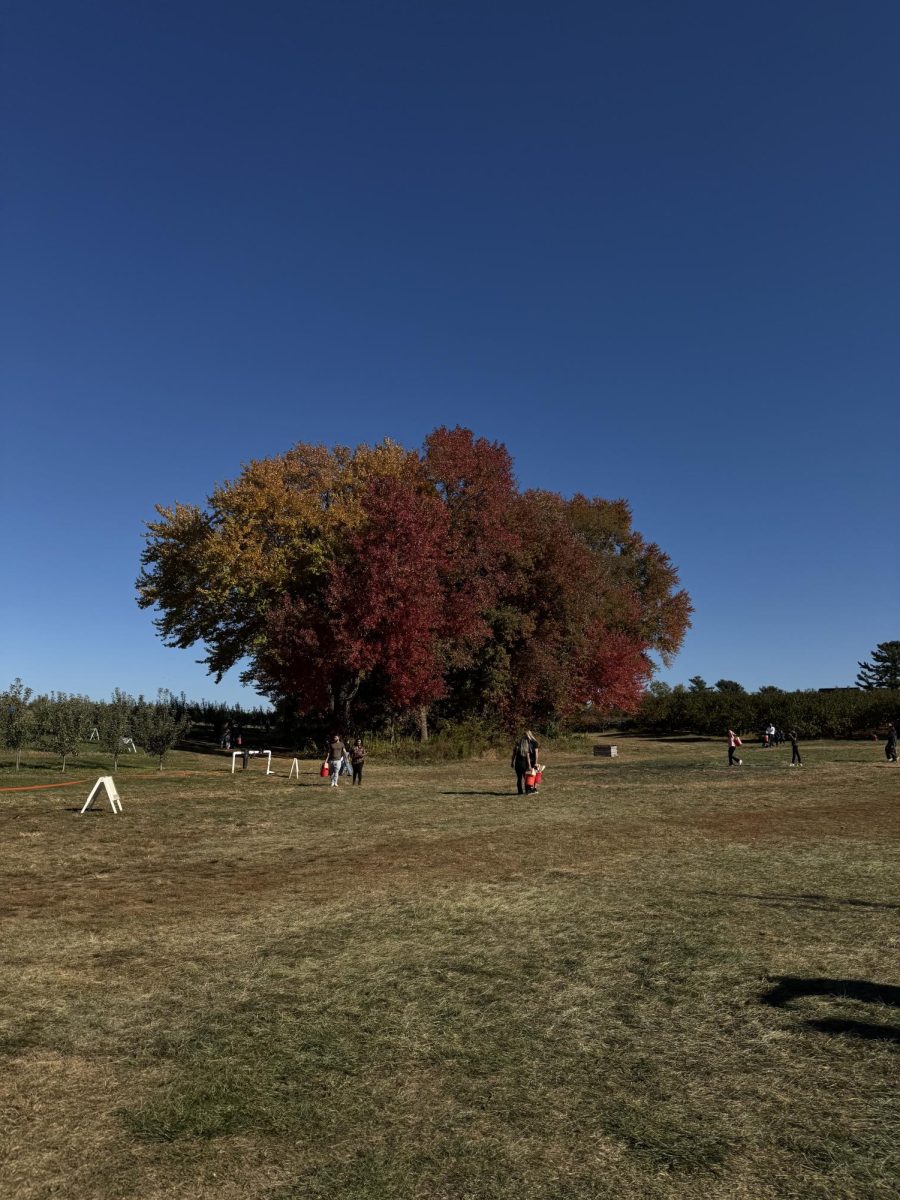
x: 524, y: 762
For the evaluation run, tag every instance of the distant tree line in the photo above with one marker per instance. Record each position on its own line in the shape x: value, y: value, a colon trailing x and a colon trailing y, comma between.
x: 712, y: 710
x: 60, y: 723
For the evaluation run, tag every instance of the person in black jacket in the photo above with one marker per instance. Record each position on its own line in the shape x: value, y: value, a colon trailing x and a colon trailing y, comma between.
x: 524, y: 759
x: 890, y: 746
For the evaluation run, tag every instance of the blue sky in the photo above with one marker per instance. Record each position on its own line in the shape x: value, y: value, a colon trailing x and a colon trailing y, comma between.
x: 654, y: 248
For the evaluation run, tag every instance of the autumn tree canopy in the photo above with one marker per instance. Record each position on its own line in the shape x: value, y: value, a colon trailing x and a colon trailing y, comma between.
x: 381, y: 581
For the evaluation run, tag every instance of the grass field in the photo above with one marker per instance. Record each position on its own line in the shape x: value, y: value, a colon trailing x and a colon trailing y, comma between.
x: 657, y: 978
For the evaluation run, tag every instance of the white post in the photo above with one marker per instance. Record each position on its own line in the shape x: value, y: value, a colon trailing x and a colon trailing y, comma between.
x: 235, y: 756
x: 295, y: 770
x: 269, y: 770
x: 95, y: 735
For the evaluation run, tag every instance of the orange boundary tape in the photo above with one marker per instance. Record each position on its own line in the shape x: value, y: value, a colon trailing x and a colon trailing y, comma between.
x: 38, y: 787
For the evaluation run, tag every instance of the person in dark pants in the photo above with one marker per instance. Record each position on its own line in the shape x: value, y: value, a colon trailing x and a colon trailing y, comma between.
x: 890, y: 746
x: 524, y: 759
x: 795, y: 749
x: 733, y: 742
x: 357, y: 761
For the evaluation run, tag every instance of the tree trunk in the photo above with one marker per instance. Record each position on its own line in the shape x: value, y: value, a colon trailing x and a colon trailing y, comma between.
x: 18, y: 756
x: 423, y: 723
x: 62, y: 769
x: 160, y: 762
x: 115, y: 762
x: 342, y: 698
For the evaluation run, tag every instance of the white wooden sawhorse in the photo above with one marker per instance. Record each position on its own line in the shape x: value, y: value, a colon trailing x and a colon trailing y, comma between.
x: 105, y: 781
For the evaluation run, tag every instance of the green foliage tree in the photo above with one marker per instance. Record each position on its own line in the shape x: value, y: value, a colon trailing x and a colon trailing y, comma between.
x: 697, y: 683
x: 114, y: 722
x: 731, y: 686
x: 16, y: 718
x: 160, y: 726
x: 66, y: 722
x: 884, y: 669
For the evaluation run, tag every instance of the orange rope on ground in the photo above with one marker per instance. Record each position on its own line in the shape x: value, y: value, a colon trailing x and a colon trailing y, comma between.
x: 37, y: 787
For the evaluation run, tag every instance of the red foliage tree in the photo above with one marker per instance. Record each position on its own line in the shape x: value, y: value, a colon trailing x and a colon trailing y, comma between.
x: 382, y: 611
x: 474, y: 479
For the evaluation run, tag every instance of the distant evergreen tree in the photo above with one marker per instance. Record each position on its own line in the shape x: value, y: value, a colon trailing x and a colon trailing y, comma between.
x: 698, y: 684
x: 730, y: 685
x: 884, y: 669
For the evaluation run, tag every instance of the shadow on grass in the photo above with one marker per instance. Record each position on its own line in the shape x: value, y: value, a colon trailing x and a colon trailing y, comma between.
x: 791, y: 987
x: 803, y: 900
x: 509, y: 794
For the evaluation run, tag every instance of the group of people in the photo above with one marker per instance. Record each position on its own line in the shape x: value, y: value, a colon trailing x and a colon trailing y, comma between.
x: 774, y: 737
x: 341, y: 760
x: 734, y: 742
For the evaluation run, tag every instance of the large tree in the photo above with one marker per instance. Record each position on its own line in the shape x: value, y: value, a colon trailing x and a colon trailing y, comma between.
x: 398, y: 580
x: 884, y: 669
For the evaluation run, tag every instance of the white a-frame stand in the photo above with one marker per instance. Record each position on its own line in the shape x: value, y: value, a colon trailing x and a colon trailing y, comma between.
x: 105, y: 781
x: 295, y: 770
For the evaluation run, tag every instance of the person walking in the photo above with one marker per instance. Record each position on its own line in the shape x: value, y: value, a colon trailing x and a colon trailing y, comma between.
x: 733, y: 742
x: 890, y: 746
x: 336, y: 751
x: 524, y: 759
x: 795, y: 749
x: 357, y: 761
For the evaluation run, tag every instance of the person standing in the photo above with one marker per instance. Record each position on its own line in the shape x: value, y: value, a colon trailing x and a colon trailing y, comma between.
x: 357, y: 761
x: 336, y: 751
x: 795, y: 749
x: 733, y: 742
x: 890, y: 746
x: 524, y: 759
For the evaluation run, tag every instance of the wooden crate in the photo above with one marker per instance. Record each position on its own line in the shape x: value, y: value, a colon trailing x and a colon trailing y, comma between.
x: 606, y: 752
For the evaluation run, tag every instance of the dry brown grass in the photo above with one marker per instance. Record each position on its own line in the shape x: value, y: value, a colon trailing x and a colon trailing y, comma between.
x: 432, y: 988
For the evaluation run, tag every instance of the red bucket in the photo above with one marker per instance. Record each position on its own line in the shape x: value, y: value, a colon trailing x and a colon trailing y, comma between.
x: 324, y: 771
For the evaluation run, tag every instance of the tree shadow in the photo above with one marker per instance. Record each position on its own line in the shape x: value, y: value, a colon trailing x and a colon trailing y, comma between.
x: 792, y: 987
x: 510, y: 794
x: 803, y: 900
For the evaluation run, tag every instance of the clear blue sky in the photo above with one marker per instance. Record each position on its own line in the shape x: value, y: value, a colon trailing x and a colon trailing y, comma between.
x: 653, y: 247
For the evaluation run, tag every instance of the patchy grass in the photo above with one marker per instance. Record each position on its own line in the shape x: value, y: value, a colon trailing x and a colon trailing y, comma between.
x: 658, y: 978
